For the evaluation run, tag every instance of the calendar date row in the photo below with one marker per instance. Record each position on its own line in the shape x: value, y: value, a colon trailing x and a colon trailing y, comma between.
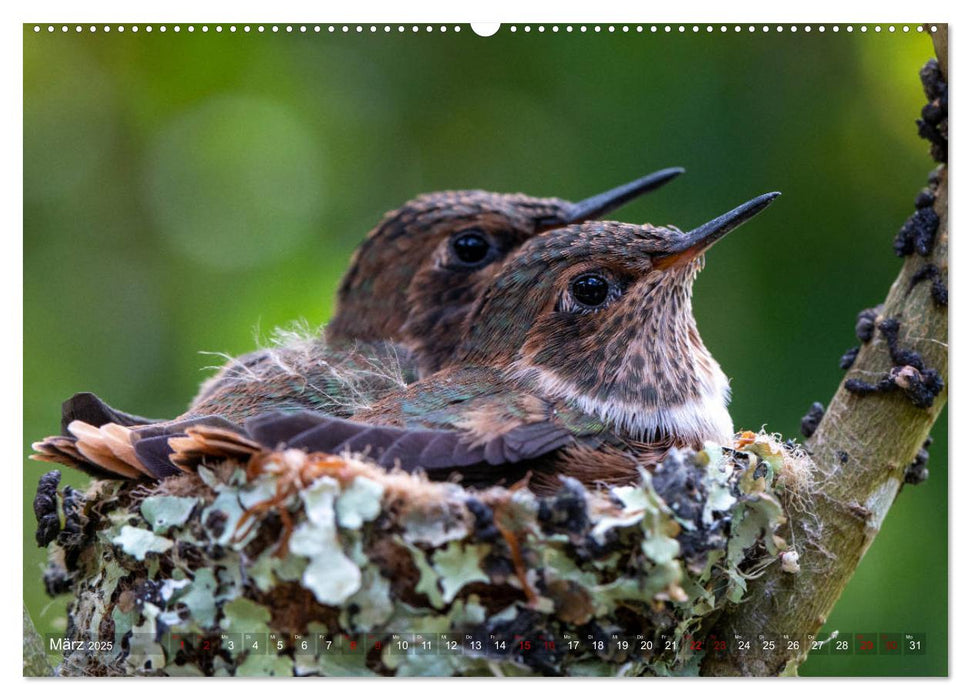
x: 603, y: 645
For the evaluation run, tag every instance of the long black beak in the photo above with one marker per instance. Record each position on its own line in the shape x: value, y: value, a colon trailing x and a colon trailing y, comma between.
x: 694, y: 243
x: 600, y: 204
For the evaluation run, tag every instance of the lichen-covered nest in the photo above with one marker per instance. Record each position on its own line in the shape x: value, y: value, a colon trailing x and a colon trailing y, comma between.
x: 333, y: 566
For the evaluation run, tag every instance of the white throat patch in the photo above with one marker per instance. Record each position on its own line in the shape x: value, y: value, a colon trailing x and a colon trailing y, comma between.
x: 696, y: 421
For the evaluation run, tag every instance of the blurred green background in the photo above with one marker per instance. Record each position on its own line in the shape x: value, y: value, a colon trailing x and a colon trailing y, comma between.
x: 190, y: 192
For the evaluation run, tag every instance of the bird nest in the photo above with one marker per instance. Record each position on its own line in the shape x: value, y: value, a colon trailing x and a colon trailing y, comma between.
x: 289, y: 563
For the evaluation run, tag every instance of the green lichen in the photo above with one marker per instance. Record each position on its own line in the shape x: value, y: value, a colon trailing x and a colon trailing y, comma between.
x: 458, y: 565
x: 200, y: 597
x: 359, y: 503
x: 166, y: 512
x: 329, y: 573
x: 138, y: 542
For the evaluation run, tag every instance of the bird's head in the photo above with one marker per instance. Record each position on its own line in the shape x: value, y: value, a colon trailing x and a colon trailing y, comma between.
x: 414, y: 277
x: 600, y: 314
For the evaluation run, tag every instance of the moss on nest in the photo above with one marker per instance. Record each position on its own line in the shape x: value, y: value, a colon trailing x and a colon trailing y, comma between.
x: 333, y: 566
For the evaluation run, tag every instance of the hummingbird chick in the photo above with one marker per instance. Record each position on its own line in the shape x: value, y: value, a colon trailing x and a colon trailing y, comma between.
x: 581, y: 358
x: 585, y: 339
x: 399, y: 312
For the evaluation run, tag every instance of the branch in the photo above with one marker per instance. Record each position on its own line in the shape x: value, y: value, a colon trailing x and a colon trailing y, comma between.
x: 868, y: 436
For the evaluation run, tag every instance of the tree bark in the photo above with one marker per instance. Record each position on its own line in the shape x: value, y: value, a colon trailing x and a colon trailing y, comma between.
x: 861, y: 448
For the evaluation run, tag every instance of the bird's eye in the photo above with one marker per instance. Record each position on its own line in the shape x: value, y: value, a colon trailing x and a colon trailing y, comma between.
x: 471, y: 247
x: 590, y: 290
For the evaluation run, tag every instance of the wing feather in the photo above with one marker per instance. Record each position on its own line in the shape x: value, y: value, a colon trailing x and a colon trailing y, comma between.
x: 429, y: 449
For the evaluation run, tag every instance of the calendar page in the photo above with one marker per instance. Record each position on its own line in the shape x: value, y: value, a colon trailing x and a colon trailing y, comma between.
x: 523, y: 349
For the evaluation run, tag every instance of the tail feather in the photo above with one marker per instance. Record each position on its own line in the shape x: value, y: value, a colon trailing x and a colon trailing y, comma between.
x: 67, y: 451
x: 61, y: 450
x: 204, y: 441
x: 118, y: 440
x: 107, y: 443
x: 96, y: 447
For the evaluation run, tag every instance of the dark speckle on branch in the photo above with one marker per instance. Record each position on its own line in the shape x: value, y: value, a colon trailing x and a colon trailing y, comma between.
x: 45, y: 508
x: 72, y: 535
x: 567, y: 510
x: 919, y: 384
x: 932, y: 80
x: 57, y: 581
x: 849, y: 357
x: 216, y: 522
x: 148, y: 592
x: 485, y: 526
x: 938, y: 288
x: 810, y: 421
x: 933, y: 122
x: 925, y: 198
x: 916, y: 472
x: 890, y: 330
x: 865, y: 323
x: 917, y: 233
